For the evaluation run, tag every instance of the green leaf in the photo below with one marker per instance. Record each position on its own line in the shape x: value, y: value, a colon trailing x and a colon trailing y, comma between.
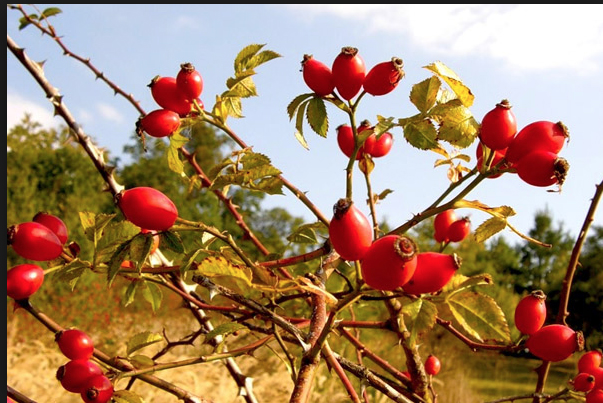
x: 172, y: 240
x: 243, y: 88
x: 23, y: 23
x: 50, y: 11
x: 422, y: 135
x: 261, y: 58
x: 383, y: 125
x: 457, y: 124
x: 306, y: 234
x: 295, y: 104
x: 460, y: 282
x: 245, y: 55
x: 126, y: 396
x: 454, y: 82
x: 489, y: 228
x: 317, y: 116
x: 116, y: 260
x: 299, y: 121
x: 177, y: 140
x: 114, y: 235
x: 130, y: 293
x: 424, y: 94
x: 173, y: 160
x: 223, y: 330
x: 217, y: 266
x: 140, y: 248
x: 420, y: 317
x: 141, y: 361
x: 233, y: 81
x: 233, y: 107
x: 188, y: 261
x: 255, y: 173
x: 71, y: 272
x: 94, y: 224
x: 480, y: 316
x: 152, y: 294
x: 142, y: 340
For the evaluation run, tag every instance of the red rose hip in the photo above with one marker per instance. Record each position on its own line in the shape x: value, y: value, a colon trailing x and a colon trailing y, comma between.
x: 390, y: 262
x: 148, y: 208
x: 350, y: 232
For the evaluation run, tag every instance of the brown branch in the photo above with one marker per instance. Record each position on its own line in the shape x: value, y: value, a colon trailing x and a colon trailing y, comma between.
x: 290, y: 261
x: 17, y: 396
x: 332, y: 361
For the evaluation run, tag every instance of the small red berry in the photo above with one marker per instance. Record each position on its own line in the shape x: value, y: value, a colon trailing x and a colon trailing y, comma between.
x: 345, y: 140
x: 148, y: 208
x: 498, y: 127
x: 350, y: 232
x: 55, y: 224
x: 459, y: 230
x: 97, y: 389
x: 189, y: 81
x: 384, y: 77
x: 74, y: 374
x: 167, y: 95
x: 390, y: 262
x: 378, y: 147
x: 432, y: 365
x: 159, y: 123
x: 541, y: 135
x: 22, y: 281
x: 583, y: 382
x: 348, y: 72
x: 75, y: 344
x: 34, y: 241
x: 595, y: 396
x: 589, y: 361
x: 555, y: 342
x: 530, y: 312
x: 542, y: 168
x: 317, y: 76
x: 442, y: 223
x: 434, y: 270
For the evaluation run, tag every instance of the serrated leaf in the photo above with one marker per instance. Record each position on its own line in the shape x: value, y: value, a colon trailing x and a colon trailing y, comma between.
x: 296, y: 102
x: 172, y: 240
x: 383, y: 125
x: 479, y: 316
x: 304, y: 234
x: 301, y: 139
x: 462, y: 92
x: 489, y: 228
x: 140, y: 248
x: 501, y: 211
x: 299, y: 120
x: 173, y: 160
x: 457, y: 124
x: 317, y: 116
x: 420, y: 317
x: 261, y: 58
x: 50, y: 11
x: 243, y: 88
x: 422, y: 135
x: 23, y: 23
x: 223, y: 330
x: 126, y: 396
x: 141, y: 340
x: 424, y: 94
x: 119, y: 255
x: 71, y: 272
x: 217, y: 266
x: 246, y: 54
x: 114, y: 235
x: 130, y: 293
x: 233, y: 107
x: 460, y: 282
x: 94, y: 224
x: 233, y: 81
x: 177, y: 140
x: 220, y: 111
x: 153, y: 295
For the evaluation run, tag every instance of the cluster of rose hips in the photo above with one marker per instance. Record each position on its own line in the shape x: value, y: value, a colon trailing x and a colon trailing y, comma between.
x: 391, y: 261
x: 80, y: 374
x: 554, y: 342
x: 450, y: 228
x: 41, y: 239
x: 177, y: 97
x: 348, y: 75
x: 532, y: 152
x: 373, y: 146
x: 590, y: 377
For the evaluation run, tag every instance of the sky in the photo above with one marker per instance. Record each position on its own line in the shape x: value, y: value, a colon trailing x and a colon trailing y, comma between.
x: 547, y: 61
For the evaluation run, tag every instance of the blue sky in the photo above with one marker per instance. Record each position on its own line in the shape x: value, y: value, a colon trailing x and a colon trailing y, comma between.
x: 547, y: 61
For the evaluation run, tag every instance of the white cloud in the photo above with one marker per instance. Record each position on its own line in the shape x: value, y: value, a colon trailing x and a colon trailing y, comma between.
x: 17, y: 106
x: 109, y: 112
x: 523, y: 36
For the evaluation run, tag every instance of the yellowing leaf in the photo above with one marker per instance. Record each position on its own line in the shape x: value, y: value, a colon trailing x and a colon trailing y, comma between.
x: 142, y: 340
x: 317, y: 116
x: 126, y: 396
x: 422, y: 135
x: 424, y: 94
x: 420, y: 317
x: 489, y: 228
x: 217, y: 266
x: 463, y: 92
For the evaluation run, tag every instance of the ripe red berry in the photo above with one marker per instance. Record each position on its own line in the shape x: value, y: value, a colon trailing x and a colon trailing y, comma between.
x: 34, y: 241
x: 348, y: 72
x: 159, y: 123
x: 350, y: 232
x: 97, y: 389
x: 498, y: 127
x: 589, y: 361
x: 55, y: 224
x: 165, y: 92
x: 317, y: 76
x: 75, y: 344
x: 459, y: 230
x: 595, y: 396
x: 22, y: 281
x: 434, y: 270
x: 442, y: 223
x: 384, y: 77
x: 583, y: 382
x: 530, y: 312
x: 432, y: 365
x: 542, y: 168
x: 378, y: 147
x: 345, y: 140
x: 74, y: 374
x: 189, y: 81
x: 541, y: 135
x: 555, y: 342
x: 148, y: 208
x: 598, y: 374
x: 389, y: 262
